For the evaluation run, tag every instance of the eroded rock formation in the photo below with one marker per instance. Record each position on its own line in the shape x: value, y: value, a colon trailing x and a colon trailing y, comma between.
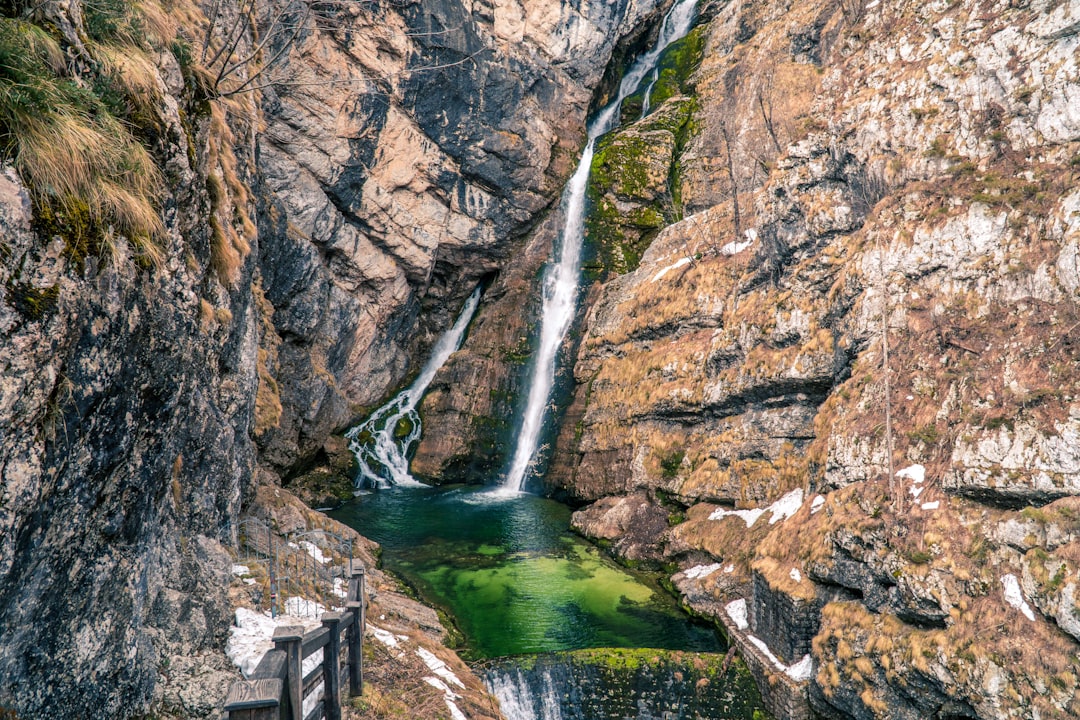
x: 862, y: 177
x: 333, y: 179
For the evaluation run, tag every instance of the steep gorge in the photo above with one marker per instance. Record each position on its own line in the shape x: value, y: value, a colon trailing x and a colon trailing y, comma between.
x: 811, y: 172
x: 332, y: 179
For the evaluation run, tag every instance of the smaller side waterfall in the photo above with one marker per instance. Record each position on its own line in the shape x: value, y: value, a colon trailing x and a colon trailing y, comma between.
x: 382, y: 442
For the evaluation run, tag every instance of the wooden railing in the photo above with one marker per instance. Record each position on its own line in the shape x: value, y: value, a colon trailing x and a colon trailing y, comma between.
x: 279, y: 687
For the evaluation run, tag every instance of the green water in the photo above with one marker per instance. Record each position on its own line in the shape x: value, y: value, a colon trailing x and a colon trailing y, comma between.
x: 513, y: 577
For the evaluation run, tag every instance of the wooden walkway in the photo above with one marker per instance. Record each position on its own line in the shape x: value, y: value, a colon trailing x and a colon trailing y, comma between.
x: 279, y: 689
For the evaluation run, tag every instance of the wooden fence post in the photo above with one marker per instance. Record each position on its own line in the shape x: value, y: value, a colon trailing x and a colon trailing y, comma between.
x: 289, y: 639
x: 332, y: 666
x: 355, y: 603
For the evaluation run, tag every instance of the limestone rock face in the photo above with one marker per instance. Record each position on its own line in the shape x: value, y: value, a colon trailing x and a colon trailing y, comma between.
x: 125, y: 420
x: 330, y: 193
x: 407, y: 152
x: 862, y: 177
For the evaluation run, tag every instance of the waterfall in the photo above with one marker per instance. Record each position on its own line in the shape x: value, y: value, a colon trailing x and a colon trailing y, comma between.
x: 561, y: 277
x: 382, y: 442
x: 517, y: 701
x: 653, y: 77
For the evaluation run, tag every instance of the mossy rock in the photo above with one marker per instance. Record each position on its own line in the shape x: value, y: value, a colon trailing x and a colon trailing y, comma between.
x: 677, y: 63
x: 403, y: 428
x: 322, y: 487
x: 31, y: 302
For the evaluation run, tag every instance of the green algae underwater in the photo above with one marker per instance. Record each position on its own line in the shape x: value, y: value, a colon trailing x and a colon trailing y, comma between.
x: 512, y: 576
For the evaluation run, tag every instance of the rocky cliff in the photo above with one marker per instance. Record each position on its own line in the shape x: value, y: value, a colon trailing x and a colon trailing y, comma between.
x: 845, y: 369
x: 226, y: 227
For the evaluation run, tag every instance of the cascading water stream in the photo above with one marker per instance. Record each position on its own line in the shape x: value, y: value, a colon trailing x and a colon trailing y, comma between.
x: 381, y: 443
x: 645, y: 106
x: 561, y: 278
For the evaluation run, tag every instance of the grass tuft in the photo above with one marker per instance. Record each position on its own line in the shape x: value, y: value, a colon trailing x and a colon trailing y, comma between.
x: 71, y: 149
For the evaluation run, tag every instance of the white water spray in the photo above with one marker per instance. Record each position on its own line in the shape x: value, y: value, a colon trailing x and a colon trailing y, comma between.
x: 516, y: 698
x: 381, y: 451
x: 560, y: 286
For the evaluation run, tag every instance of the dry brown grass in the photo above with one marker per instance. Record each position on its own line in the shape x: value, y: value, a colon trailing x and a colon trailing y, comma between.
x: 229, y: 201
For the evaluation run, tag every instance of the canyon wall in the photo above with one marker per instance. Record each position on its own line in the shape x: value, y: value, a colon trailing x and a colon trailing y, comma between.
x: 227, y: 227
x: 845, y: 367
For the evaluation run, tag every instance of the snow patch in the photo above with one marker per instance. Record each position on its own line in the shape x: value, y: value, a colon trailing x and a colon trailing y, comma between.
x: 931, y: 505
x: 385, y: 637
x: 760, y: 645
x: 749, y: 516
x: 699, y: 572
x: 341, y: 588
x: 735, y: 247
x: 786, y: 506
x: 312, y: 549
x: 782, y: 509
x: 669, y: 268
x: 300, y: 607
x: 1015, y: 597
x: 802, y: 670
x: 917, y: 475
x: 438, y: 667
x: 313, y: 698
x: 736, y: 610
x: 240, y: 570
x: 795, y: 575
x: 251, y: 637
x: 819, y: 501
x: 449, y: 696
x: 729, y: 569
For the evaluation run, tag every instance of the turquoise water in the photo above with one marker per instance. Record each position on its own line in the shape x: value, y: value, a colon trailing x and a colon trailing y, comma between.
x: 512, y: 576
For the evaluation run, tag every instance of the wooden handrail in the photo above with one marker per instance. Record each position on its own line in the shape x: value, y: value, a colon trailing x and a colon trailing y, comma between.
x: 277, y: 688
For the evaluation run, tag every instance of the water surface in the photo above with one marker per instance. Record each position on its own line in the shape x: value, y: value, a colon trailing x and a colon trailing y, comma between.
x: 512, y: 576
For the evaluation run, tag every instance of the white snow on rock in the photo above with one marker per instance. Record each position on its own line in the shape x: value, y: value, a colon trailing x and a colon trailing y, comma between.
x: 449, y: 696
x: 729, y: 569
x: 802, y: 670
x: 312, y: 549
x: 299, y: 607
x: 816, y: 505
x: 385, y: 637
x: 760, y: 645
x: 914, y: 473
x: 749, y: 516
x: 240, y: 570
x: 1015, y: 597
x: 736, y: 610
x: 699, y: 572
x: 438, y: 667
x: 341, y: 588
x: 931, y: 505
x: 786, y: 506
x: 795, y: 575
x: 917, y: 475
x: 782, y: 509
x: 735, y: 247
x: 674, y: 266
x: 250, y: 638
